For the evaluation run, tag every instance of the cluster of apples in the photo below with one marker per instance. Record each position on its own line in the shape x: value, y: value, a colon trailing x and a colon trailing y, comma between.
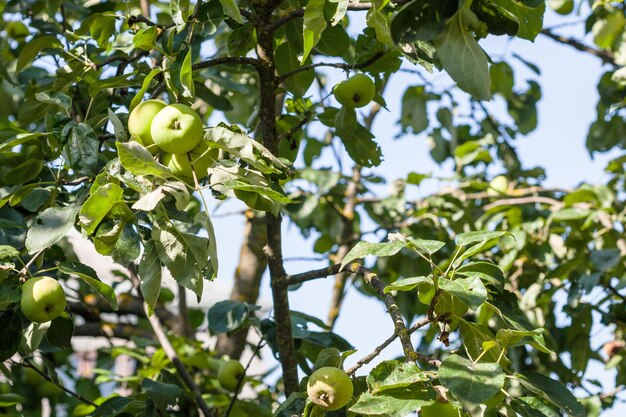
x: 42, y: 300
x: 176, y: 131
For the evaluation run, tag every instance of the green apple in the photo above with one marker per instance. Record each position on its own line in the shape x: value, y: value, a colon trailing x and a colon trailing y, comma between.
x: 229, y: 374
x: 198, y: 160
x: 43, y: 299
x: 330, y: 388
x: 356, y: 91
x: 561, y: 6
x: 498, y: 185
x: 439, y: 410
x: 177, y: 128
x: 140, y: 120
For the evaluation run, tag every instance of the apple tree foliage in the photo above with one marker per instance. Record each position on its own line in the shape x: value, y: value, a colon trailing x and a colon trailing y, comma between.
x: 495, y: 294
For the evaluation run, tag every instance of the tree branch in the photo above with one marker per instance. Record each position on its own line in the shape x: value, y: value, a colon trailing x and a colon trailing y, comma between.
x: 606, y: 56
x: 237, y: 60
x: 273, y: 250
x: 370, y: 357
x: 345, y: 67
x: 169, y: 350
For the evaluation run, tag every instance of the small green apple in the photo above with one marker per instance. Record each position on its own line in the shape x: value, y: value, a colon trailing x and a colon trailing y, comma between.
x: 356, y: 91
x: 439, y: 410
x: 229, y: 374
x: 177, y: 129
x: 330, y: 388
x: 498, y: 185
x: 140, y: 120
x: 43, y: 299
x: 200, y: 158
x: 561, y: 6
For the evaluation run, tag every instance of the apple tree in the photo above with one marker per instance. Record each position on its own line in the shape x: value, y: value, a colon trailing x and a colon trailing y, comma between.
x: 128, y: 122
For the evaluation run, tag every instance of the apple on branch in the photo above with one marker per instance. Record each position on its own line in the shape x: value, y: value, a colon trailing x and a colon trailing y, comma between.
x: 177, y: 129
x: 43, y: 299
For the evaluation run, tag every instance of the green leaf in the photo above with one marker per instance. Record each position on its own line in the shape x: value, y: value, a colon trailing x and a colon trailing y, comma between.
x: 150, y: 273
x: 81, y: 149
x: 407, y: 284
x: 118, y: 127
x: 98, y: 205
x: 474, y: 338
x: 553, y: 391
x: 227, y: 316
x: 123, y: 80
x: 145, y: 38
x: 232, y: 10
x: 183, y: 254
x: 9, y: 399
x: 32, y: 337
x: 314, y: 25
x: 462, y: 57
x: 101, y: 26
x: 509, y: 338
x: 50, y: 226
x: 532, y: 407
x: 244, y: 147
x: 394, y: 374
x: 488, y: 272
x: 570, y: 214
x: 8, y: 252
x: 470, y: 291
x: 139, y: 161
x: 144, y: 87
x: 395, y: 403
x: 90, y: 277
x: 32, y: 49
x: 421, y: 20
x: 162, y: 394
x: 362, y: 249
x: 428, y: 246
x: 180, y: 13
x: 19, y: 139
x: 10, y: 294
x: 528, y: 18
x: 465, y: 239
x: 10, y: 334
x: 358, y: 141
x: 414, y: 113
x: 205, y: 221
x: 55, y: 98
x: 61, y: 331
x: 468, y: 382
x: 177, y: 189
x: 186, y: 76
x: 506, y: 306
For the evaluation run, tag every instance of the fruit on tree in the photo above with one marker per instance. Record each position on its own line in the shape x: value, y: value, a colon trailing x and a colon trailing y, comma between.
x: 356, y: 91
x: 140, y: 121
x: 43, y: 299
x: 561, y: 6
x: 498, y: 185
x: 229, y: 374
x: 200, y: 158
x: 439, y: 410
x: 330, y: 388
x: 177, y: 129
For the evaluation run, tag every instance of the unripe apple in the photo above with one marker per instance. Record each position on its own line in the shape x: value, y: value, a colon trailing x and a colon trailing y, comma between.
x: 177, y: 129
x: 229, y: 374
x: 140, y: 121
x: 201, y: 158
x: 356, y: 91
x: 43, y: 299
x: 330, y: 388
x: 439, y: 410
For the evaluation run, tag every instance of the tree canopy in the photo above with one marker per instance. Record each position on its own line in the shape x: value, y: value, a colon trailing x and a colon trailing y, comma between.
x: 129, y: 122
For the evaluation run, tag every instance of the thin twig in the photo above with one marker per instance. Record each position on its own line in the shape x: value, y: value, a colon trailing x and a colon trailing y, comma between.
x: 242, y: 377
x: 606, y: 56
x: 169, y: 350
x: 76, y: 395
x: 345, y: 67
x: 25, y: 271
